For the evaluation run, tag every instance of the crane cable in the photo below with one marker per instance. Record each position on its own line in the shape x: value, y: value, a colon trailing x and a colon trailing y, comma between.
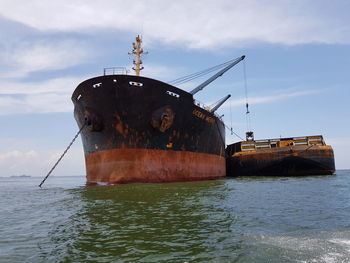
x: 232, y: 132
x: 246, y: 105
x: 201, y: 73
x: 246, y: 98
x: 230, y: 128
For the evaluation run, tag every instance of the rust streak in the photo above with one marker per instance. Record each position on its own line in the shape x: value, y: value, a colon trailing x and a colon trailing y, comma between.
x: 146, y: 165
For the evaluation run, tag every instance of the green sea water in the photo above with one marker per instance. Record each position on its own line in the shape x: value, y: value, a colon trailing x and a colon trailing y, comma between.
x: 262, y: 219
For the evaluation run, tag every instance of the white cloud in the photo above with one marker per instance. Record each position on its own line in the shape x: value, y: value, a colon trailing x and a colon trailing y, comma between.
x: 204, y: 24
x: 37, y: 97
x: 39, y: 162
x: 52, y: 95
x: 17, y: 162
x: 38, y: 103
x: 58, y: 85
x: 196, y: 24
x: 159, y: 72
x: 23, y: 58
x: 49, y: 56
x: 268, y: 99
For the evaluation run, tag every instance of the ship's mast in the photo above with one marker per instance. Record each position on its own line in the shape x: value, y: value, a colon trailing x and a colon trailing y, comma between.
x: 137, y: 52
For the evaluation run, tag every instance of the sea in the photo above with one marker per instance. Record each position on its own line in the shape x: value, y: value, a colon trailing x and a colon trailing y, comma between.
x: 243, y: 219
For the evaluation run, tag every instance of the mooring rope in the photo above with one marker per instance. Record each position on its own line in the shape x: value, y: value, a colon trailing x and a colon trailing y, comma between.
x: 65, y: 151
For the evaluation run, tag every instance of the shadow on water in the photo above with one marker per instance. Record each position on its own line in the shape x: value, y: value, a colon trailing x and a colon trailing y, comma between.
x: 146, y: 223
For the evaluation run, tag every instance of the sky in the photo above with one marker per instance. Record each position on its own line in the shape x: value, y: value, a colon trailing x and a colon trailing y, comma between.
x: 296, y: 71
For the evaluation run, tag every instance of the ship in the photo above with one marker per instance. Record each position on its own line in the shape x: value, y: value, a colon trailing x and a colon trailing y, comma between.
x: 294, y: 156
x: 138, y: 129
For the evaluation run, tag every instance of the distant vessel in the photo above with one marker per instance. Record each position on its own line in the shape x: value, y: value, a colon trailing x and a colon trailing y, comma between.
x: 21, y: 176
x: 144, y: 130
x: 295, y: 156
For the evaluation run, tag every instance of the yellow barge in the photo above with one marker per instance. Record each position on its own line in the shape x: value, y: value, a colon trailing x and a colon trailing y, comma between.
x: 297, y: 156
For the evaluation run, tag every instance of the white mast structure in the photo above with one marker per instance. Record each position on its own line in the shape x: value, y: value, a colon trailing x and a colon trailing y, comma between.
x: 137, y: 52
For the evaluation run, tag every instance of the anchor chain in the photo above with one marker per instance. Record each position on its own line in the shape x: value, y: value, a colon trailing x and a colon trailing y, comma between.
x: 65, y: 151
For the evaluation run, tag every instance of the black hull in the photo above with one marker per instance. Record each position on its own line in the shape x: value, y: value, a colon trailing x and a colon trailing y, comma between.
x: 300, y: 161
x: 130, y: 112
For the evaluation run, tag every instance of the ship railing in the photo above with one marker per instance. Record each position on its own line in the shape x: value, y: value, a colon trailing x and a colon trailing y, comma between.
x: 263, y: 144
x: 282, y: 142
x: 115, y: 71
x: 316, y: 140
x: 300, y: 141
x: 204, y: 107
x: 248, y: 146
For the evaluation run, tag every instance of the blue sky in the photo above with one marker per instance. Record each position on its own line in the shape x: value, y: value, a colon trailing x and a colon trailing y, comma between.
x: 297, y: 67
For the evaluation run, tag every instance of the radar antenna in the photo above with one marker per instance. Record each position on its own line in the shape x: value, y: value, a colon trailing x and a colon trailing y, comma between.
x: 137, y: 52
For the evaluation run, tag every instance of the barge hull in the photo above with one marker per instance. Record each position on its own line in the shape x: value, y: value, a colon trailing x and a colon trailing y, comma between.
x: 298, y: 161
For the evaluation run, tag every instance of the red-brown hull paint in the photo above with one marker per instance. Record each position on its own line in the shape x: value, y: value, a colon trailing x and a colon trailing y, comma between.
x: 149, y: 165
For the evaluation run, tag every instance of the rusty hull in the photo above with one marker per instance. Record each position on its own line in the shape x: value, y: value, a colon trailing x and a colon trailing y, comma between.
x: 141, y: 129
x: 146, y: 165
x: 284, y: 161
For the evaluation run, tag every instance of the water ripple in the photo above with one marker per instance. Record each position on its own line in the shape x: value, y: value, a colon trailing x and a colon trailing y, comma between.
x: 291, y: 219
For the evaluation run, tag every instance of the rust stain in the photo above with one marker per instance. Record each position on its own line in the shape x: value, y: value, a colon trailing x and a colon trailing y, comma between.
x: 162, y: 118
x: 250, y: 160
x: 120, y: 127
x: 169, y: 145
x: 146, y: 165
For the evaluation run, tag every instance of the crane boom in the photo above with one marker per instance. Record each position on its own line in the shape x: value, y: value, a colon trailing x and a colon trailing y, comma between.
x: 214, y: 77
x: 222, y: 101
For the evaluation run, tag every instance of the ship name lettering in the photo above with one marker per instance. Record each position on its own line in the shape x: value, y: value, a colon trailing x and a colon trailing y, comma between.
x: 209, y: 119
x: 203, y: 116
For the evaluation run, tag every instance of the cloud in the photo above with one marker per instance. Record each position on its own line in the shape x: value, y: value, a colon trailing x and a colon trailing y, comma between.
x: 39, y: 162
x: 13, y: 161
x: 38, y: 103
x: 25, y: 57
x: 204, y: 24
x: 208, y: 24
x: 52, y: 95
x: 160, y: 72
x: 268, y: 99
x: 64, y: 85
x: 37, y: 97
x: 49, y: 56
